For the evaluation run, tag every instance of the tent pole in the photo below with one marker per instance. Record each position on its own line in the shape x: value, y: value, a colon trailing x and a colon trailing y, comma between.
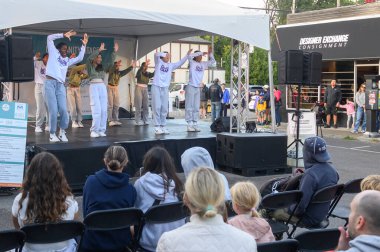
x: 271, y: 88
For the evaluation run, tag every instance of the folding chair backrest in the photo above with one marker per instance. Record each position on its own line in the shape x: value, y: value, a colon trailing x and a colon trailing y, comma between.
x: 113, y: 219
x: 327, y: 194
x: 288, y: 245
x: 281, y: 199
x: 165, y: 213
x: 43, y: 233
x: 11, y: 239
x: 353, y: 186
x: 318, y: 239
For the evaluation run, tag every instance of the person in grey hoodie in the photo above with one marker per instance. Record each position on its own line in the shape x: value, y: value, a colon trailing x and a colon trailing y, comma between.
x: 159, y: 184
x: 363, y: 234
x: 199, y: 157
x: 360, y: 110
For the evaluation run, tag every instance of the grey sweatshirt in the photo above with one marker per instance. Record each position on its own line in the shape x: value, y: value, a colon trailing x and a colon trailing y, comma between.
x: 360, y: 99
x: 364, y: 243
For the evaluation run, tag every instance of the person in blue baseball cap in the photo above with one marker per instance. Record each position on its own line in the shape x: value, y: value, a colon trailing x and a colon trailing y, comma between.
x: 319, y: 173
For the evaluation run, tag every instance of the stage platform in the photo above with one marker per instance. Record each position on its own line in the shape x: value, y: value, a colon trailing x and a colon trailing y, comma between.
x: 83, y: 155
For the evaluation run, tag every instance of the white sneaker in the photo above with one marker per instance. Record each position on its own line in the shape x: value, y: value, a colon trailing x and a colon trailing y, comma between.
x: 158, y: 131
x: 165, y: 131
x: 62, y: 136
x: 47, y: 128
x: 196, y: 128
x: 38, y: 129
x: 75, y: 125
x: 102, y: 134
x: 117, y: 123
x: 80, y: 125
x: 94, y: 134
x: 139, y: 123
x: 112, y: 123
x: 53, y: 138
x: 146, y: 123
x: 190, y: 128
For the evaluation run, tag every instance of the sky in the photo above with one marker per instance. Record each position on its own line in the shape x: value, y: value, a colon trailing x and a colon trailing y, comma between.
x: 245, y: 3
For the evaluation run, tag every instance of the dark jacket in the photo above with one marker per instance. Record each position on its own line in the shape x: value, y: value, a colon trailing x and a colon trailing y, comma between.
x: 107, y: 190
x: 215, y: 93
x: 317, y: 176
x: 204, y: 93
x: 143, y: 77
x: 115, y: 75
x: 332, y: 95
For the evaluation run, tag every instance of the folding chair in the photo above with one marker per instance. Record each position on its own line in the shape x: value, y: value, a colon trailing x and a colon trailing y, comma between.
x: 229, y: 208
x: 45, y: 233
x: 342, y: 212
x: 11, y: 239
x: 324, y: 195
x: 115, y: 219
x: 281, y: 200
x: 289, y: 245
x: 318, y: 239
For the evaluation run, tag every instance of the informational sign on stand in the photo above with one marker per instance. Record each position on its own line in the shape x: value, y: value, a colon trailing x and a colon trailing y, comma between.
x: 13, y: 129
x: 308, y: 125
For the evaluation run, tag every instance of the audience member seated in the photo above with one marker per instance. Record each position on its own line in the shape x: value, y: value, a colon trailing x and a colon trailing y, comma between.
x: 158, y: 184
x: 245, y: 200
x: 363, y: 233
x: 199, y: 157
x: 45, y: 197
x: 206, y: 230
x: 319, y: 173
x: 108, y: 188
x: 371, y: 182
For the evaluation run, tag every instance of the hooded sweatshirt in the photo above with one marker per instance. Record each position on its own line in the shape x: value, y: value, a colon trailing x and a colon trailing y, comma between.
x: 317, y: 176
x: 107, y: 190
x: 199, y: 157
x: 364, y: 243
x: 150, y: 187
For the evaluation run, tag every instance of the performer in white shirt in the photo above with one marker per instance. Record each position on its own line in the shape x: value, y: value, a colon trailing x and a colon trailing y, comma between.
x: 192, y: 94
x: 160, y: 89
x: 55, y: 92
x: 39, y: 79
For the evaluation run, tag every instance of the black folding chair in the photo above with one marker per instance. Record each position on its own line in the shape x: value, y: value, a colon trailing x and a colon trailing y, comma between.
x: 318, y: 239
x: 289, y: 245
x: 229, y: 208
x: 115, y: 219
x: 342, y: 212
x: 11, y: 239
x: 45, y: 233
x: 324, y: 195
x: 281, y: 200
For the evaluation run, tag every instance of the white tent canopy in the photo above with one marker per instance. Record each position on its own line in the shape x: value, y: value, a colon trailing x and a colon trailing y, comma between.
x: 151, y: 22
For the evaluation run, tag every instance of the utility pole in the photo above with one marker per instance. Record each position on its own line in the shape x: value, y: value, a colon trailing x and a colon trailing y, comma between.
x: 294, y: 7
x: 337, y: 3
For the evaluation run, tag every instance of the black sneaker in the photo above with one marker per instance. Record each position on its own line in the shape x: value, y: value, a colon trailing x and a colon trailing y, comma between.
x: 335, y: 126
x: 327, y: 126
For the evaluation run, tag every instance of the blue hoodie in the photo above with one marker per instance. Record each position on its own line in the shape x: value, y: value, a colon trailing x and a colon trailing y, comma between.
x: 317, y: 176
x: 107, y: 190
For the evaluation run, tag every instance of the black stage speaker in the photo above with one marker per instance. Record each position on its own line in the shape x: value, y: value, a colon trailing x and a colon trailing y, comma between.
x: 16, y: 58
x: 252, y: 154
x: 290, y: 67
x: 221, y: 124
x: 312, y: 68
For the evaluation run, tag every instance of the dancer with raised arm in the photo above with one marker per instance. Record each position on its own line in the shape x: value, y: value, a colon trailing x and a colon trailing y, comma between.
x: 141, y: 94
x: 39, y: 79
x: 55, y: 93
x: 160, y: 88
x: 192, y: 94
x: 98, y: 92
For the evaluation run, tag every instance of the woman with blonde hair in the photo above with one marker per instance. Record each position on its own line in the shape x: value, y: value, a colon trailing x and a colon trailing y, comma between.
x: 45, y: 198
x: 245, y: 200
x: 204, y: 196
x: 371, y: 182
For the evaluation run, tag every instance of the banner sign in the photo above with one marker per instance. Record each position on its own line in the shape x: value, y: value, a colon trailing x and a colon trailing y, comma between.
x: 13, y: 128
x: 308, y: 125
x: 344, y: 39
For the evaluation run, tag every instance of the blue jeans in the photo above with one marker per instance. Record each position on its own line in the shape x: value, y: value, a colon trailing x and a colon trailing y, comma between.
x: 215, y: 110
x: 278, y: 114
x: 360, y: 112
x: 55, y: 98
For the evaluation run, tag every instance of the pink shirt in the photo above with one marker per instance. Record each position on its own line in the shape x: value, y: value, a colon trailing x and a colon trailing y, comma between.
x: 277, y: 94
x: 350, y: 107
x: 259, y: 228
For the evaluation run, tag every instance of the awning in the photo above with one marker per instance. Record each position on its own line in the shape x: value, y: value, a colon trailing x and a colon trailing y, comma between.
x: 353, y: 38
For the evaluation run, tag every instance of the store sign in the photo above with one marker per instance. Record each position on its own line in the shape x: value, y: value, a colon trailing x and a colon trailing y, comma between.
x: 350, y: 39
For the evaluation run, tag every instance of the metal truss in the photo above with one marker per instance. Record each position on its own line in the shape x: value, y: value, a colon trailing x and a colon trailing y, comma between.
x: 239, y: 90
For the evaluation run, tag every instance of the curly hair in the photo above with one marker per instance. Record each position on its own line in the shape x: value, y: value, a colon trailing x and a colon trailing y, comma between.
x: 46, y: 187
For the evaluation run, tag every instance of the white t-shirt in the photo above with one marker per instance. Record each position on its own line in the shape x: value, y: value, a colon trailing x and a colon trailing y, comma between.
x: 39, y: 72
x: 68, y: 245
